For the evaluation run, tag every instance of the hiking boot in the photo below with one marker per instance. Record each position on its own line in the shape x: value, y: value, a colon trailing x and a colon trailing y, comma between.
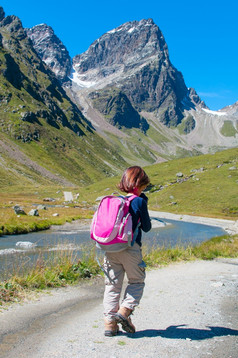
x: 122, y: 317
x: 111, y: 328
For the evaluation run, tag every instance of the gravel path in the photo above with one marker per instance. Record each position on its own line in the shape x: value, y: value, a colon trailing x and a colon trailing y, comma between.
x: 188, y: 310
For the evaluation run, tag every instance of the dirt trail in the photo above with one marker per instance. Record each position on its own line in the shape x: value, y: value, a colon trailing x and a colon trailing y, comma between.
x: 188, y: 310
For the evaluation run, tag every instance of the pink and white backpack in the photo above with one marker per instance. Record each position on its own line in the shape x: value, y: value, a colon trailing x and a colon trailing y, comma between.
x: 111, y: 225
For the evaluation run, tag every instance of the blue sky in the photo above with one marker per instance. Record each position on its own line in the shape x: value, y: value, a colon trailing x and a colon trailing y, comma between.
x: 202, y: 36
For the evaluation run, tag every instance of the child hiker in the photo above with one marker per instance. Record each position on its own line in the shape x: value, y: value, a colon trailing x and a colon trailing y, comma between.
x: 129, y: 261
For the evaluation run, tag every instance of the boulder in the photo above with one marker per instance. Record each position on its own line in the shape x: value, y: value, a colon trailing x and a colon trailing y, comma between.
x: 68, y: 196
x: 33, y: 212
x: 18, y: 210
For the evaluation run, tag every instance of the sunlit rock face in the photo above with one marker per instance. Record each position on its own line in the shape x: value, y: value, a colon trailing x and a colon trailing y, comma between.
x: 51, y: 50
x: 134, y: 57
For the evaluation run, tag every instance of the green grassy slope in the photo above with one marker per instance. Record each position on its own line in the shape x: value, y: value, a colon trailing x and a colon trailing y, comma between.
x: 40, y: 122
x: 209, y: 185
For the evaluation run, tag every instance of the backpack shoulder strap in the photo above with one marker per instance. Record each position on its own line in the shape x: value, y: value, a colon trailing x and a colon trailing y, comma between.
x: 131, y: 197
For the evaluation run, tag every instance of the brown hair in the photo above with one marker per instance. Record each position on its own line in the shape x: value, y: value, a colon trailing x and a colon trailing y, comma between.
x: 132, y: 178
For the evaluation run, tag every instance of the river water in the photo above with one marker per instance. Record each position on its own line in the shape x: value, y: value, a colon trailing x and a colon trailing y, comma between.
x: 17, y: 251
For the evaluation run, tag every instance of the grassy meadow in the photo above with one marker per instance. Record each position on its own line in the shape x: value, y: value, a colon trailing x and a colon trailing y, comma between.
x: 209, y: 185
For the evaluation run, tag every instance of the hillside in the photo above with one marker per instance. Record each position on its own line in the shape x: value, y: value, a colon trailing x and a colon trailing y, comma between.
x: 44, y: 136
x: 204, y: 185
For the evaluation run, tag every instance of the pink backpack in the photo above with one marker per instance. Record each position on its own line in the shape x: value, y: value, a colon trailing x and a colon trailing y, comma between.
x: 111, y: 226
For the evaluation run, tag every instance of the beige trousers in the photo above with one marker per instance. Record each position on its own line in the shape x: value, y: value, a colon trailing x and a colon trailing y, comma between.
x: 116, y: 265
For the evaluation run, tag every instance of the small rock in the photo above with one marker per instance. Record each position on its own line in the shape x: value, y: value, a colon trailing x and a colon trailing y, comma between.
x: 55, y: 214
x: 25, y: 244
x: 48, y: 199
x: 217, y: 284
x: 179, y: 175
x: 33, y: 212
x: 18, y: 210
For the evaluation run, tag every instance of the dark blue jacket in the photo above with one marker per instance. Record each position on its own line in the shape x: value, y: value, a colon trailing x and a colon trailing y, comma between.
x: 138, y: 210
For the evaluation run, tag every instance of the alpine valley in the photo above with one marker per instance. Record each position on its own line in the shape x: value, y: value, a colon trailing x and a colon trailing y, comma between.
x: 76, y: 120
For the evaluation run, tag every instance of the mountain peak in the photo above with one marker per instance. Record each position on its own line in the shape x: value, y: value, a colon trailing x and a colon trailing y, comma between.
x: 51, y: 50
x: 134, y: 57
x: 132, y: 25
x: 123, y: 46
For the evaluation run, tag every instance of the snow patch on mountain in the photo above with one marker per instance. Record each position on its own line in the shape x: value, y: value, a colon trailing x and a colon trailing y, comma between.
x: 78, y: 79
x: 131, y: 30
x: 215, y: 113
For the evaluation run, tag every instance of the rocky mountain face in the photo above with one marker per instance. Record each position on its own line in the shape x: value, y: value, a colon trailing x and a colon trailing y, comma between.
x: 41, y: 128
x: 51, y: 50
x: 117, y: 109
x: 232, y: 109
x: 135, y: 57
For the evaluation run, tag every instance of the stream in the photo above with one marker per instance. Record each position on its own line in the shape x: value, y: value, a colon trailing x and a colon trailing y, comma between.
x: 20, y: 251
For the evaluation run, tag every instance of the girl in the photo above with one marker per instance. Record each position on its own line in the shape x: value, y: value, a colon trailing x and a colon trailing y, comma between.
x: 129, y: 261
